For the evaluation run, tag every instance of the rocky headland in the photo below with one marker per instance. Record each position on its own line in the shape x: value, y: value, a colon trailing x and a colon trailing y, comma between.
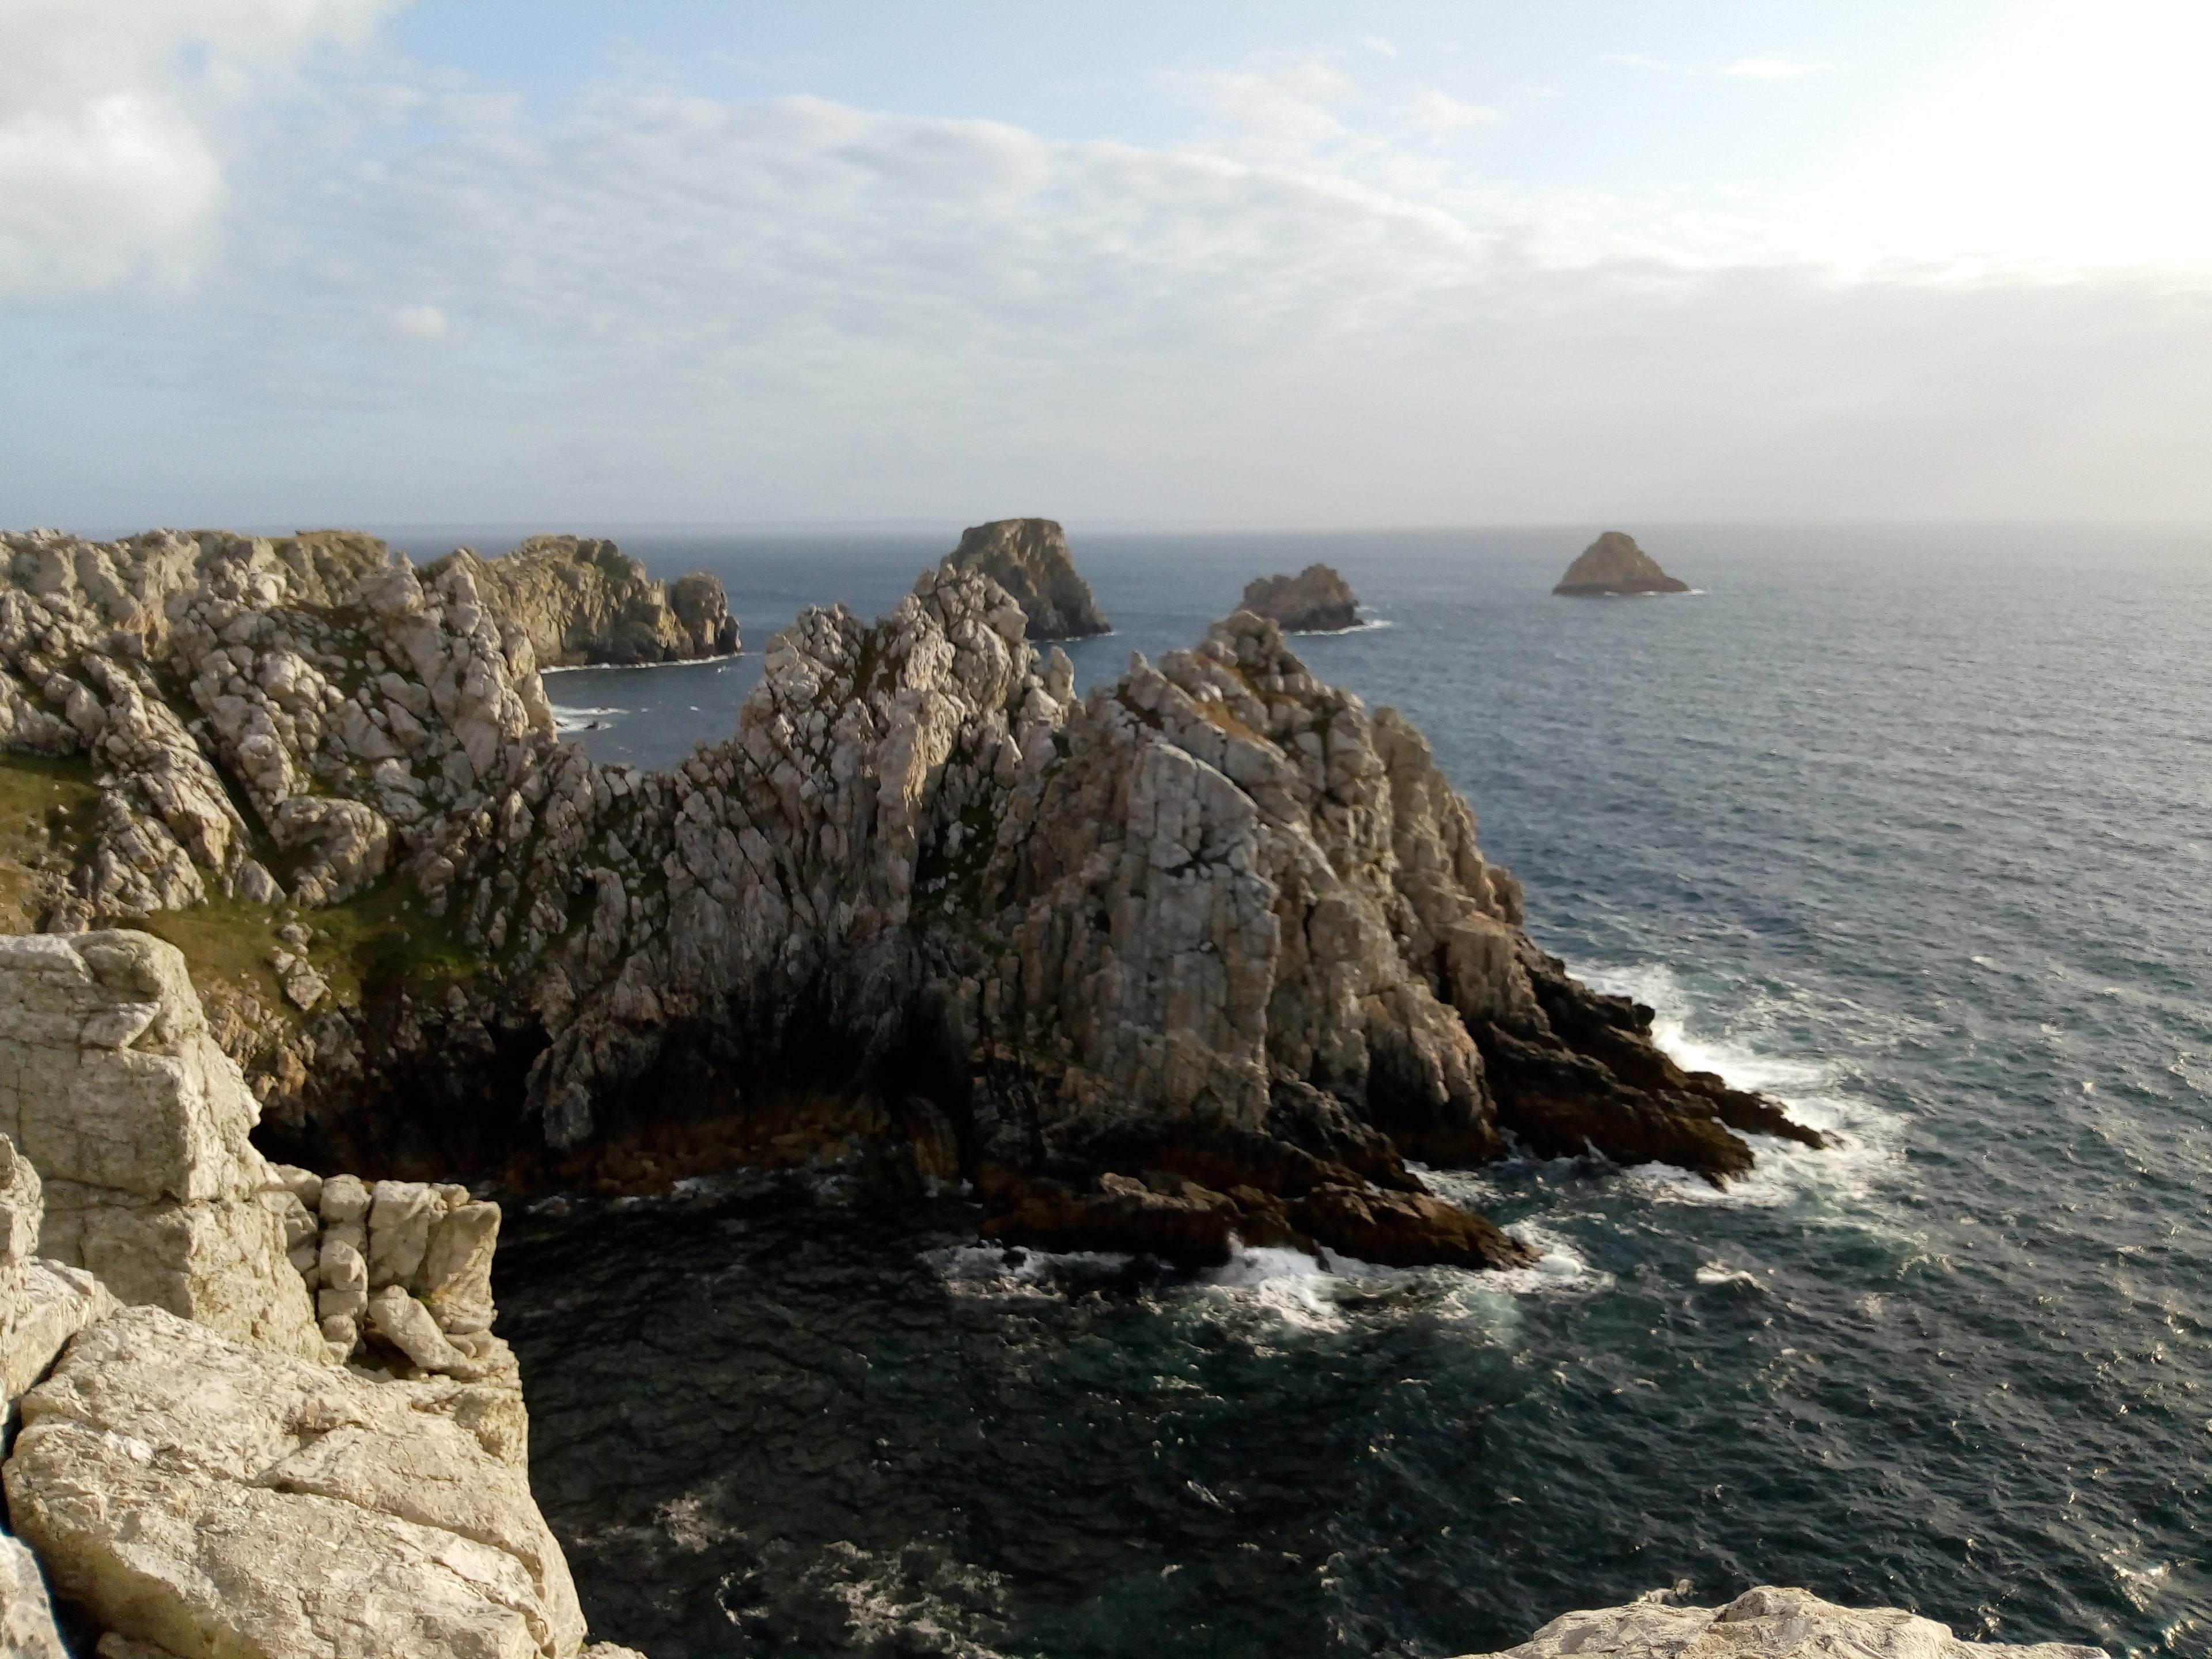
x: 1316, y: 600
x: 1614, y: 565
x: 1028, y: 558
x: 584, y: 601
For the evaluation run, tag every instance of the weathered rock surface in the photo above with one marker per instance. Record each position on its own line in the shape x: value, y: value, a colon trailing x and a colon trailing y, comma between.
x: 1213, y: 924
x: 42, y: 1304
x: 212, y: 1498
x: 1766, y: 1623
x: 581, y: 601
x: 1028, y: 558
x: 27, y: 1615
x: 114, y: 1089
x: 1614, y: 564
x: 1314, y: 601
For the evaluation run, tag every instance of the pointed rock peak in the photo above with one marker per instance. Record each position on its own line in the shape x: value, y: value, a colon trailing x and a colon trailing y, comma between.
x: 1614, y: 563
x: 1028, y: 558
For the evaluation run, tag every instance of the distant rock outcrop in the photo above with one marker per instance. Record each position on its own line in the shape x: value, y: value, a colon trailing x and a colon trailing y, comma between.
x: 1314, y: 601
x: 1614, y: 564
x: 1766, y: 1623
x: 585, y: 601
x: 1028, y: 558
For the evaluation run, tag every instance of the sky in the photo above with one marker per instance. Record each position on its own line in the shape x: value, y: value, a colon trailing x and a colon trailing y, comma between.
x: 292, y: 262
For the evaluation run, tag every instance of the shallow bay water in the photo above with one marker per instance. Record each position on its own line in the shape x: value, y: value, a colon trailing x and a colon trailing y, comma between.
x: 1907, y: 826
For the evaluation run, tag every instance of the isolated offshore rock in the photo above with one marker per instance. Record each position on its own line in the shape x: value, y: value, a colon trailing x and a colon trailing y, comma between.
x: 1614, y: 564
x: 209, y: 1497
x: 1766, y: 1623
x: 114, y: 1089
x: 1028, y: 558
x: 1314, y: 601
x: 581, y: 601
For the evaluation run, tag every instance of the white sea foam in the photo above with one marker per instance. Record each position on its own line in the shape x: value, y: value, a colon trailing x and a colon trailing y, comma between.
x: 633, y: 667
x: 1368, y: 626
x: 577, y: 720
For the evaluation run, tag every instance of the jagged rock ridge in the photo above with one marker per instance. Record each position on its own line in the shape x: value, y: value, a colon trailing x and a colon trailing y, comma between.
x: 1614, y: 565
x: 1028, y: 558
x: 582, y: 600
x: 1214, y: 930
x: 1316, y: 600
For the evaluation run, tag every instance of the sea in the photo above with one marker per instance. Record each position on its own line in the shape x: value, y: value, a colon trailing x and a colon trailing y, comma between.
x: 1909, y: 827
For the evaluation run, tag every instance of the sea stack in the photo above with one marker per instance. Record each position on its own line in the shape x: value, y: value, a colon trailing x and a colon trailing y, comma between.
x: 1314, y: 601
x: 1028, y: 558
x: 586, y: 601
x: 1614, y: 564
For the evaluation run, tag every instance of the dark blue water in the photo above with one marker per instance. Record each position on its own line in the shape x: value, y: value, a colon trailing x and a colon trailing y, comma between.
x: 1909, y: 828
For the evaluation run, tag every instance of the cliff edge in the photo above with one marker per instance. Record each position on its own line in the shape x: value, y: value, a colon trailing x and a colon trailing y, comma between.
x: 1614, y: 564
x: 584, y: 601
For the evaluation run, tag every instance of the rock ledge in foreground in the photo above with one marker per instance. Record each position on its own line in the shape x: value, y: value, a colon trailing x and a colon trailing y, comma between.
x: 1614, y: 564
x: 1766, y: 1623
x: 1316, y: 600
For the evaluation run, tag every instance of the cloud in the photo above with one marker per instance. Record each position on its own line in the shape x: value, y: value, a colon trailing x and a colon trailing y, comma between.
x: 1776, y: 67
x: 114, y: 119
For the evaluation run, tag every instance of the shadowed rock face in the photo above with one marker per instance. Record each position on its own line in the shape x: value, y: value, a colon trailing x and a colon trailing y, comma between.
x: 1314, y: 601
x: 585, y: 601
x: 1215, y: 931
x: 1614, y: 564
x: 1028, y: 558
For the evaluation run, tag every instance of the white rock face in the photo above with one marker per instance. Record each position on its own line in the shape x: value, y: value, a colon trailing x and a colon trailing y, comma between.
x: 1766, y: 1623
x: 212, y: 1498
x: 138, y: 1122
x: 42, y: 1304
x: 27, y: 1616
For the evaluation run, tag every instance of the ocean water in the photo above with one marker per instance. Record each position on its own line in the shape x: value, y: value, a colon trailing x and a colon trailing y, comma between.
x: 1907, y: 826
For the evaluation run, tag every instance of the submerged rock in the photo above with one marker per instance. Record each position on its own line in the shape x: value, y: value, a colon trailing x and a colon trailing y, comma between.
x: 1614, y: 564
x: 1314, y: 601
x: 1028, y: 558
x: 582, y: 600
x: 1767, y: 1623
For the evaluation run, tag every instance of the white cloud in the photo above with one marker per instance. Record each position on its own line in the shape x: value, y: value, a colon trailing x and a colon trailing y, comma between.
x: 114, y: 118
x: 1774, y: 66
x: 420, y: 323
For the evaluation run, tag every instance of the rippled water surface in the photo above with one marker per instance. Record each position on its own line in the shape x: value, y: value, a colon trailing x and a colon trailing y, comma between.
x: 1906, y: 827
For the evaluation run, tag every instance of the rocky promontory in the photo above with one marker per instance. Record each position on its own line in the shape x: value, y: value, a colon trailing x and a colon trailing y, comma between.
x: 1028, y: 558
x: 1210, y: 951
x: 1766, y: 1623
x: 583, y: 601
x: 1614, y: 565
x: 1314, y: 601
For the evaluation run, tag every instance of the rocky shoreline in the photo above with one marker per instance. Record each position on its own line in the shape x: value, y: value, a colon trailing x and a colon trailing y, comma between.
x: 1208, y: 955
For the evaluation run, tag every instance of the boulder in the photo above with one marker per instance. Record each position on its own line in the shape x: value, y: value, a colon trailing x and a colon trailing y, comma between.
x: 42, y: 1304
x: 1314, y: 601
x: 1614, y: 564
x: 208, y: 1497
x: 1028, y: 558
x: 1766, y: 1623
x: 138, y: 1122
x: 27, y: 1616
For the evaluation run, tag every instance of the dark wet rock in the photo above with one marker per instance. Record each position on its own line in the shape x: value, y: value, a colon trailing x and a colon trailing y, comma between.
x: 1614, y: 564
x: 1314, y: 601
x: 1028, y: 558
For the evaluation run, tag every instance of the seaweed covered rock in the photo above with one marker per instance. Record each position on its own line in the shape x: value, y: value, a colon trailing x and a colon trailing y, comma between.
x: 1314, y: 601
x: 1028, y: 558
x: 1614, y: 565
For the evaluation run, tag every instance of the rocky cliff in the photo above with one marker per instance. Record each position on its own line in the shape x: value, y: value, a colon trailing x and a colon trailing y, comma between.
x: 1314, y: 601
x: 582, y: 601
x: 200, y: 1472
x: 1028, y: 558
x: 1614, y: 565
x: 1211, y: 950
x: 1766, y: 1623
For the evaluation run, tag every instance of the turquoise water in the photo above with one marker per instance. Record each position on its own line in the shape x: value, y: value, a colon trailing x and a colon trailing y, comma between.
x: 1908, y: 828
